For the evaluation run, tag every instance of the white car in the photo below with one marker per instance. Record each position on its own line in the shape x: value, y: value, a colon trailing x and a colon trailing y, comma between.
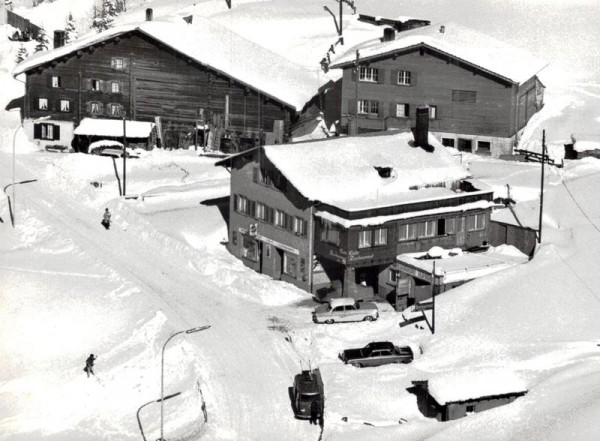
x: 345, y: 310
x: 106, y: 147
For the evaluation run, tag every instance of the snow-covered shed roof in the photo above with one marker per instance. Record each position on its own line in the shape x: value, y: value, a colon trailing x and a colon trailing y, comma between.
x: 509, y: 62
x: 113, y: 127
x: 342, y: 171
x: 461, y: 267
x: 471, y: 384
x: 523, y: 214
x: 212, y: 45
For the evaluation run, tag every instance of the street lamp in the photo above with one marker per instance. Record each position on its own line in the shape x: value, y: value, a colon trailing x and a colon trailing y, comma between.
x: 162, y: 374
x: 150, y: 402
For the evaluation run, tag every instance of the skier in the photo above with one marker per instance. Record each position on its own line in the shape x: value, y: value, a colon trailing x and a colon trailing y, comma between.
x: 89, y: 365
x: 106, y: 219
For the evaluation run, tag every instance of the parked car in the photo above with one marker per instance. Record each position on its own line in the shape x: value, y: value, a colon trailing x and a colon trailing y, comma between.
x: 345, y: 310
x: 107, y: 147
x: 377, y: 353
x: 308, y: 388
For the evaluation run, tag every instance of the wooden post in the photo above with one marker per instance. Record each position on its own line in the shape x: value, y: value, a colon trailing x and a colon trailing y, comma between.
x: 542, y: 185
x: 124, y: 154
x: 356, y: 90
x: 196, y: 135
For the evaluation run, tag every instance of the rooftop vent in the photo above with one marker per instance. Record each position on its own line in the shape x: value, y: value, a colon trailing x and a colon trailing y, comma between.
x: 389, y: 34
x: 384, y: 172
x: 149, y: 14
x: 442, y: 29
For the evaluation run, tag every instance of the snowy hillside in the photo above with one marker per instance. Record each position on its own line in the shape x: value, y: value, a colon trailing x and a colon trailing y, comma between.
x: 69, y: 288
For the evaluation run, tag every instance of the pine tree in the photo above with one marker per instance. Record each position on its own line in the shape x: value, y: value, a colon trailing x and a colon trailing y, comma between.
x: 105, y: 15
x: 70, y: 31
x: 21, y: 54
x: 42, y: 41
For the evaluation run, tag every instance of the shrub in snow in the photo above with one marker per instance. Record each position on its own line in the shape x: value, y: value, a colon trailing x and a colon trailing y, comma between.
x: 42, y: 41
x: 21, y: 54
x: 70, y: 31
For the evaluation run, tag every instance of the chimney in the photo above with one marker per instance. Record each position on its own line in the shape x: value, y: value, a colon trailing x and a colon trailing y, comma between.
x: 59, y: 38
x: 149, y: 14
x: 422, y: 129
x: 442, y: 29
x: 389, y: 34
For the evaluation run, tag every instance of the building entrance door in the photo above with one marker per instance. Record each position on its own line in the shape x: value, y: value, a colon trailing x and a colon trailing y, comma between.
x: 278, y: 266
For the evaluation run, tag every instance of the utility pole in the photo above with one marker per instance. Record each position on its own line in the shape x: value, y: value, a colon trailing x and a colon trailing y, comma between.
x: 542, y: 186
x: 356, y: 90
x: 124, y: 153
x: 433, y: 299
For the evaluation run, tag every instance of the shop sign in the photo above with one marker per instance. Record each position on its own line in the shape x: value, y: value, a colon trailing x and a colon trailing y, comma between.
x: 279, y: 245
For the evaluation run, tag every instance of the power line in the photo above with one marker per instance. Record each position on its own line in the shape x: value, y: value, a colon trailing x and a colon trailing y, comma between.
x: 579, y: 206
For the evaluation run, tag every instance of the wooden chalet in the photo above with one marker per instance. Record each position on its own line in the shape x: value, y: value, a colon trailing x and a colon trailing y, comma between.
x: 199, y: 82
x: 481, y: 92
x: 331, y: 216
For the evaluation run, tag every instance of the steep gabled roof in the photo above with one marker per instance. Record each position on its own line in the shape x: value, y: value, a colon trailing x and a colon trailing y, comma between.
x: 510, y: 63
x: 343, y: 172
x: 214, y: 46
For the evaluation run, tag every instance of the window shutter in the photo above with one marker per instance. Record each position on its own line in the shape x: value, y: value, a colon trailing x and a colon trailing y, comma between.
x: 352, y: 107
x: 56, y: 132
x: 304, y: 226
x: 105, y: 86
x: 380, y: 109
x: 353, y: 74
x: 413, y: 78
x: 37, y: 131
x: 407, y: 110
x: 381, y: 76
x: 49, y: 80
x: 394, y: 76
x: 88, y: 84
x: 100, y: 108
x: 393, y: 109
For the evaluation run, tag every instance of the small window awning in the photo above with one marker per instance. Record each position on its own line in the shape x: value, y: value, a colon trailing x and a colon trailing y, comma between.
x: 114, y: 128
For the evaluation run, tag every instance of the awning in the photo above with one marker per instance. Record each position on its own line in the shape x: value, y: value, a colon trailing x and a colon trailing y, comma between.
x: 113, y: 128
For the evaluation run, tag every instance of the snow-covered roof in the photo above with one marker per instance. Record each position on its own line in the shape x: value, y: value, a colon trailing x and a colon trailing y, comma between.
x: 463, y: 266
x: 507, y: 61
x: 470, y: 384
x: 213, y: 45
x: 113, y: 127
x: 342, y: 171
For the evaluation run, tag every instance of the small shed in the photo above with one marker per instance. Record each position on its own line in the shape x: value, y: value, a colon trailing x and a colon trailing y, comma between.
x: 456, y: 394
x: 139, y: 134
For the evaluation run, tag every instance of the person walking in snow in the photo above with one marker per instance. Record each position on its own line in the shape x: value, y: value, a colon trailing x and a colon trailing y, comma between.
x: 89, y: 365
x: 106, y: 219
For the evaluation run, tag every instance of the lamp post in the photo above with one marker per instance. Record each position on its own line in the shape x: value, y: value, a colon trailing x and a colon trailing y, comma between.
x: 162, y: 374
x: 168, y: 397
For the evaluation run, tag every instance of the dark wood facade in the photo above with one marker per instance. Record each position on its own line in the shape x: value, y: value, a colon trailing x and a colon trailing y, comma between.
x: 137, y: 75
x: 466, y: 100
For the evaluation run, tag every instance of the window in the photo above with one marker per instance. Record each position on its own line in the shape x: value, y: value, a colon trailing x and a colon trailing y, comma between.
x: 299, y: 226
x: 115, y: 87
x: 448, y: 142
x: 432, y: 112
x: 450, y: 226
x: 49, y: 132
x: 484, y: 147
x: 249, y: 248
x: 42, y: 103
x: 380, y: 236
x: 280, y: 218
x: 262, y: 176
x: 465, y: 145
x: 404, y: 77
x: 95, y: 85
x: 476, y: 222
x: 407, y: 232
x: 260, y: 211
x: 427, y: 228
x: 65, y: 105
x: 368, y: 107
x: 242, y: 204
x: 330, y: 233
x: 115, y: 109
x: 95, y: 108
x: 364, y: 239
x: 368, y: 74
x: 55, y: 81
x: 470, y: 409
x: 289, y: 265
x: 117, y: 63
x: 394, y: 276
x: 402, y: 110
x: 464, y: 96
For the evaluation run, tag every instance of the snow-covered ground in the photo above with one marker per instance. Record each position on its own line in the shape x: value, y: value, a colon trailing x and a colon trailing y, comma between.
x: 69, y: 288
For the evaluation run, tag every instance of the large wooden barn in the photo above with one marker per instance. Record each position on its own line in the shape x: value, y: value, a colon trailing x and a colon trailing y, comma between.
x: 481, y: 92
x: 197, y: 80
